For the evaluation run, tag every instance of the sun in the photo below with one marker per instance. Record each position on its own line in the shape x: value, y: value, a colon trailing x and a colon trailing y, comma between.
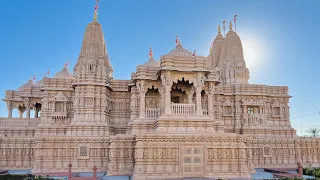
x: 249, y: 52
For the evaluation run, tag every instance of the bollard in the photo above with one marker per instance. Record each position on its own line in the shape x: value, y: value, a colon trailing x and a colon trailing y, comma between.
x: 70, y: 175
x: 95, y: 172
x: 300, y: 167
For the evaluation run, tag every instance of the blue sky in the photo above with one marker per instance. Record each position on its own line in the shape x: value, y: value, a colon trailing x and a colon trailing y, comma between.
x: 280, y: 38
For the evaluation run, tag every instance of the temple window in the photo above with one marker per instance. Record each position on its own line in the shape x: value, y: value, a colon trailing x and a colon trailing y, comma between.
x: 276, y: 111
x: 83, y: 152
x: 227, y: 110
x: 250, y: 110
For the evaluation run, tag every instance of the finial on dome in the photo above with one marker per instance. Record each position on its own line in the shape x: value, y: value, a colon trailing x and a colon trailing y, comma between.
x: 194, y: 53
x: 95, y: 16
x: 66, y: 65
x: 178, y: 42
x: 224, y: 28
x: 230, y: 26
x: 219, y: 30
x: 34, y: 79
x: 150, y: 53
x: 235, y: 22
x: 47, y: 73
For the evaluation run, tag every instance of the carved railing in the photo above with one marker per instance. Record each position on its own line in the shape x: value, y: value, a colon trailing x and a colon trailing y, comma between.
x: 255, y: 119
x: 183, y: 109
x: 205, y: 112
x: 19, y: 122
x: 152, y: 113
x: 59, y: 115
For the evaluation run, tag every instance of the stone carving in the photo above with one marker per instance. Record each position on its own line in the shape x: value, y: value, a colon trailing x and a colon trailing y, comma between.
x: 143, y: 126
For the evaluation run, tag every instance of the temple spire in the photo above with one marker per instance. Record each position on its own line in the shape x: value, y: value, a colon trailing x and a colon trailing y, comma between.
x: 219, y: 30
x: 230, y: 26
x: 95, y: 16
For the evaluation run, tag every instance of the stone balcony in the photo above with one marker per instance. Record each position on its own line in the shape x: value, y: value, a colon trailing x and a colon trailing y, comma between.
x: 183, y: 109
x: 59, y: 115
x: 19, y: 122
x: 152, y: 113
x: 176, y: 109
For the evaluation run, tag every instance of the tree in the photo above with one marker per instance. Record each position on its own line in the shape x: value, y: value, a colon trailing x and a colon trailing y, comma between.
x: 313, y: 131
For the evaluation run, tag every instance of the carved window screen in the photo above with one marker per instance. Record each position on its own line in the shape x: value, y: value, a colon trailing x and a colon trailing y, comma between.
x: 192, y: 161
x: 83, y: 152
x: 267, y: 151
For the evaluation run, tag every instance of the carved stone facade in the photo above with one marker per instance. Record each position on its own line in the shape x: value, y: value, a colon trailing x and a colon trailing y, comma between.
x: 182, y: 116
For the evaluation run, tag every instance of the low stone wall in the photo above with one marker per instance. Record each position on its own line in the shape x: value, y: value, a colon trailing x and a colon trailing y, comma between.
x: 121, y: 156
x: 183, y: 155
x: 283, y: 152
x: 53, y: 154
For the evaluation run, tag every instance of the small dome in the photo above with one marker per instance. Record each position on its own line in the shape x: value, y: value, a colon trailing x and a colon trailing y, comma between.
x: 152, y: 63
x: 63, y: 74
x: 180, y: 52
x: 28, y: 85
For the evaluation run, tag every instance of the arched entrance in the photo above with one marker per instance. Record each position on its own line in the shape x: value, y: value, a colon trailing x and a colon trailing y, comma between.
x: 181, y: 98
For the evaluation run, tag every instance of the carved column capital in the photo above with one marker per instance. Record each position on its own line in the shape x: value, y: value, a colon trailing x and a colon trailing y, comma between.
x: 9, y: 105
x: 199, y: 80
x: 166, y: 79
x: 141, y: 87
x: 211, y: 88
x: 26, y: 102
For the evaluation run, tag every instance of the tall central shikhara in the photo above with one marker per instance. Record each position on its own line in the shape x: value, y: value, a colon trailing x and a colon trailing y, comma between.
x: 93, y: 73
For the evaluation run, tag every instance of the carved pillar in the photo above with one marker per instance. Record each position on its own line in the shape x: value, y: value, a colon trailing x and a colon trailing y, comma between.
x: 142, y: 104
x: 9, y: 107
x: 21, y: 111
x: 210, y: 98
x: 27, y: 105
x: 190, y: 95
x: 36, y: 113
x: 162, y: 98
x: 198, y: 85
x: 133, y: 103
x: 198, y: 100
x: 166, y: 78
x: 142, y: 93
x: 167, y: 109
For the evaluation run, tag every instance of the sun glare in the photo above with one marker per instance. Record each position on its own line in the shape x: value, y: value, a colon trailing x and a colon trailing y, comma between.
x: 249, y: 53
x: 252, y: 51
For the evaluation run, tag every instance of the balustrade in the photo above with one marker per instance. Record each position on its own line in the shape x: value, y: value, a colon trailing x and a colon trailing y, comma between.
x: 152, y: 113
x: 183, y: 109
x: 205, y: 112
x: 255, y: 119
x: 17, y: 122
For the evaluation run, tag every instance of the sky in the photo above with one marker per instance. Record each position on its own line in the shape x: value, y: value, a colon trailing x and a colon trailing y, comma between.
x: 280, y: 40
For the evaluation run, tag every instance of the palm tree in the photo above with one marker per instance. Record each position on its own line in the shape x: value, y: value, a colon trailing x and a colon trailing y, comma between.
x: 313, y: 131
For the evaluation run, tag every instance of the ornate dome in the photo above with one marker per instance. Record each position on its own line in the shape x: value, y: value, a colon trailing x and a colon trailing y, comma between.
x: 27, y: 85
x: 180, y: 52
x: 63, y: 74
x: 152, y: 63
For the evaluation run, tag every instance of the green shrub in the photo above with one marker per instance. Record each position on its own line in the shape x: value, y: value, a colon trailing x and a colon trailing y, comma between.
x: 22, y: 177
